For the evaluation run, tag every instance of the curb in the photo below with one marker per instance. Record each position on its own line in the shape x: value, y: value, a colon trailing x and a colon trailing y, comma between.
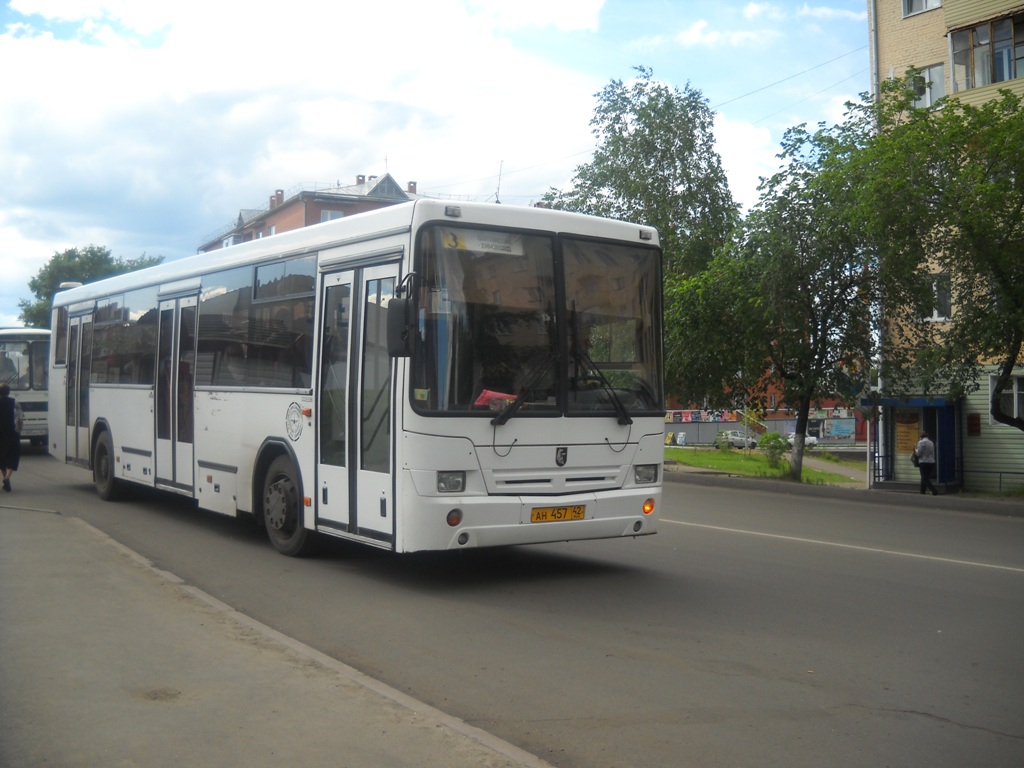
x: 942, y: 502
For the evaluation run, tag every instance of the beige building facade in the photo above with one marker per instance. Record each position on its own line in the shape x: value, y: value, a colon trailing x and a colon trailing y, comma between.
x: 970, y: 49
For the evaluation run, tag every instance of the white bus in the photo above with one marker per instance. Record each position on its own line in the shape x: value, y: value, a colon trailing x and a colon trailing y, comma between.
x: 23, y: 367
x: 426, y: 376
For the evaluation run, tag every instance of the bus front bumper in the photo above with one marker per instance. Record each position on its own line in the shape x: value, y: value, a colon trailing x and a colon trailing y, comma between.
x: 496, y: 521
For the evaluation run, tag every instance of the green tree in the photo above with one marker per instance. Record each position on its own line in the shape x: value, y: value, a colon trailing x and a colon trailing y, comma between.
x: 790, y: 305
x: 655, y: 163
x: 81, y: 265
x: 707, y: 318
x: 944, y: 199
x: 815, y: 275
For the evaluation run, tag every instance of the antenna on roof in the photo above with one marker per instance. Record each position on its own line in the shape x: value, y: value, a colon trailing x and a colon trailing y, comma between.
x: 497, y: 192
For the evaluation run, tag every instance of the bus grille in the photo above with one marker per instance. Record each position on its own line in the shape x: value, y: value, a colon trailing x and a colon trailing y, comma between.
x: 524, y: 481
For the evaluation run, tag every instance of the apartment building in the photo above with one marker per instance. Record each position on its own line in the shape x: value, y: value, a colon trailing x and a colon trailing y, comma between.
x: 969, y: 49
x: 310, y: 204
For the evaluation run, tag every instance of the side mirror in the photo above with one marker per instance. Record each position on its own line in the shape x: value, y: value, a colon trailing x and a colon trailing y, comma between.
x: 398, y: 327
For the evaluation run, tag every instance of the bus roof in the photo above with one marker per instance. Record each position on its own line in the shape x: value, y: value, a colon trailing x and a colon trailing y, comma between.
x: 393, y: 220
x: 24, y: 332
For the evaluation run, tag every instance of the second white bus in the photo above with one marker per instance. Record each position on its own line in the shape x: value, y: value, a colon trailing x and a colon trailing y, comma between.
x: 23, y: 367
x: 423, y: 377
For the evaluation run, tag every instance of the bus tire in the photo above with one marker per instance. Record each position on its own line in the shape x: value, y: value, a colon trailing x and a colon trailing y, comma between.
x: 107, y: 485
x: 282, y: 509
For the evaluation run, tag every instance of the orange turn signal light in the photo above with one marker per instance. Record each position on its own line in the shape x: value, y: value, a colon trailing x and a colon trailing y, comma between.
x: 648, y: 506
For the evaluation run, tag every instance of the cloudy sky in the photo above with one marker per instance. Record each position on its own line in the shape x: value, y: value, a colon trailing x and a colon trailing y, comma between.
x: 145, y: 127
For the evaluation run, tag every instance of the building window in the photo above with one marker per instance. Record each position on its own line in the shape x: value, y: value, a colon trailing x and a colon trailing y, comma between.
x: 988, y: 53
x: 930, y: 85
x: 942, y: 298
x: 330, y: 215
x: 1011, y: 400
x: 916, y: 6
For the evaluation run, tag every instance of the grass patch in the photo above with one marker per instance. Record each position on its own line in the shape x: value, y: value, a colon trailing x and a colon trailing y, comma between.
x: 832, y: 458
x: 748, y: 464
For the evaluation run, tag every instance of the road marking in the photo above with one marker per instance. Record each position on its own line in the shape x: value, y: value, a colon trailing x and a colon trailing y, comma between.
x: 856, y: 547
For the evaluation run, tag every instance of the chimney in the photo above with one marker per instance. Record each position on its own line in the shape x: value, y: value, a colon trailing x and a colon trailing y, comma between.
x: 360, y: 179
x: 277, y: 198
x: 411, y: 188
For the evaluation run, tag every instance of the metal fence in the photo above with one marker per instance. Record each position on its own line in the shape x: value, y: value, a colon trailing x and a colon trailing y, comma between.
x: 705, y: 432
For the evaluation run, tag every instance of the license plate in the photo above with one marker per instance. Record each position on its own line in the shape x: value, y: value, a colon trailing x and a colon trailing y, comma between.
x: 556, y: 514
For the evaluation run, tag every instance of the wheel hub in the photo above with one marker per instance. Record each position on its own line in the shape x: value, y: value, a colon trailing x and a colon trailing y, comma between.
x: 276, y: 505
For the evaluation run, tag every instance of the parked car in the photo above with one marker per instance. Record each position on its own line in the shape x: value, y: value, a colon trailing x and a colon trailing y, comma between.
x: 737, y: 439
x: 809, y: 440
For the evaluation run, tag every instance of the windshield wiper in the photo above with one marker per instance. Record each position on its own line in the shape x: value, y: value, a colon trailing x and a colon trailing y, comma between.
x: 620, y: 409
x: 533, y: 376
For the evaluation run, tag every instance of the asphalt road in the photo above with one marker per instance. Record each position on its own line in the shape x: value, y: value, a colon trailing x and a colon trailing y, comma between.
x: 757, y: 629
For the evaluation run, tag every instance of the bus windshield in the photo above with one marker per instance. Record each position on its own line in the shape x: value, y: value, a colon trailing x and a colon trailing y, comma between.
x: 23, y: 364
x: 540, y: 324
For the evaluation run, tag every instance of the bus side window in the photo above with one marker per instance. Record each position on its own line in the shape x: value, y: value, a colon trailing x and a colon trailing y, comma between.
x: 59, y: 321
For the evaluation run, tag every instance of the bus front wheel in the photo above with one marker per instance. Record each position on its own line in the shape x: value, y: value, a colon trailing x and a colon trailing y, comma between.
x: 103, y: 477
x: 282, y: 509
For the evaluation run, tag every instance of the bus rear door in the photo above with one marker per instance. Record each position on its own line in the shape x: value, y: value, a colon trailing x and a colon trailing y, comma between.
x: 174, y: 393
x: 79, y: 373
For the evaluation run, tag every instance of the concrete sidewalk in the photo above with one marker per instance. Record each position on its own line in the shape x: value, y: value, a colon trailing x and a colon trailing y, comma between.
x: 107, y: 661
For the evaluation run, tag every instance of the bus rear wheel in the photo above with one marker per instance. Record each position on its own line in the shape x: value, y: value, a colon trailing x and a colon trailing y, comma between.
x: 103, y: 473
x: 282, y: 509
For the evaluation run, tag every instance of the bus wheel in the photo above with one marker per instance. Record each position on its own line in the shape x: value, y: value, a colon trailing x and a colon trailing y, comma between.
x: 107, y: 485
x: 282, y: 509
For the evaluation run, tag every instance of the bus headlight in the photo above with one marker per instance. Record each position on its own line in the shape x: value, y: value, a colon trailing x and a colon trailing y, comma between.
x: 451, y: 482
x: 645, y: 474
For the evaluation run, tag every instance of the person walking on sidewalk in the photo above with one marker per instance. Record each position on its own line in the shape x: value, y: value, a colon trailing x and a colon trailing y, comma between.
x: 10, y: 434
x: 925, y: 453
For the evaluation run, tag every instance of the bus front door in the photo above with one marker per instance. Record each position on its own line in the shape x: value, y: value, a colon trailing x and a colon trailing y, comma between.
x: 355, y: 487
x: 176, y: 354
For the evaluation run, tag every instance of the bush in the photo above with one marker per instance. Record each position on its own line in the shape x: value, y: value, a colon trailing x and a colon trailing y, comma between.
x: 774, y: 445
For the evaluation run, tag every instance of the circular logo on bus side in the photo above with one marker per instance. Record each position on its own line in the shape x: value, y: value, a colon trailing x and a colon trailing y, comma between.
x: 293, y: 421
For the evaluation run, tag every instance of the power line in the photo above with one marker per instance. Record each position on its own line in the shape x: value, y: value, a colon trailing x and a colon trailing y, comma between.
x: 791, y: 77
x: 800, y: 101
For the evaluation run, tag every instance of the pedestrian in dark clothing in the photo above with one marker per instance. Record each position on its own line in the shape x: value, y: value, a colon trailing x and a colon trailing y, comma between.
x: 10, y: 434
x: 925, y: 453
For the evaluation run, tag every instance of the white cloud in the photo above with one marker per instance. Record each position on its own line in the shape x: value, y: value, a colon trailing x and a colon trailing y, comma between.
x: 647, y: 43
x: 832, y: 14
x: 753, y: 11
x: 748, y: 154
x: 564, y: 15
x: 700, y: 34
x: 139, y: 17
